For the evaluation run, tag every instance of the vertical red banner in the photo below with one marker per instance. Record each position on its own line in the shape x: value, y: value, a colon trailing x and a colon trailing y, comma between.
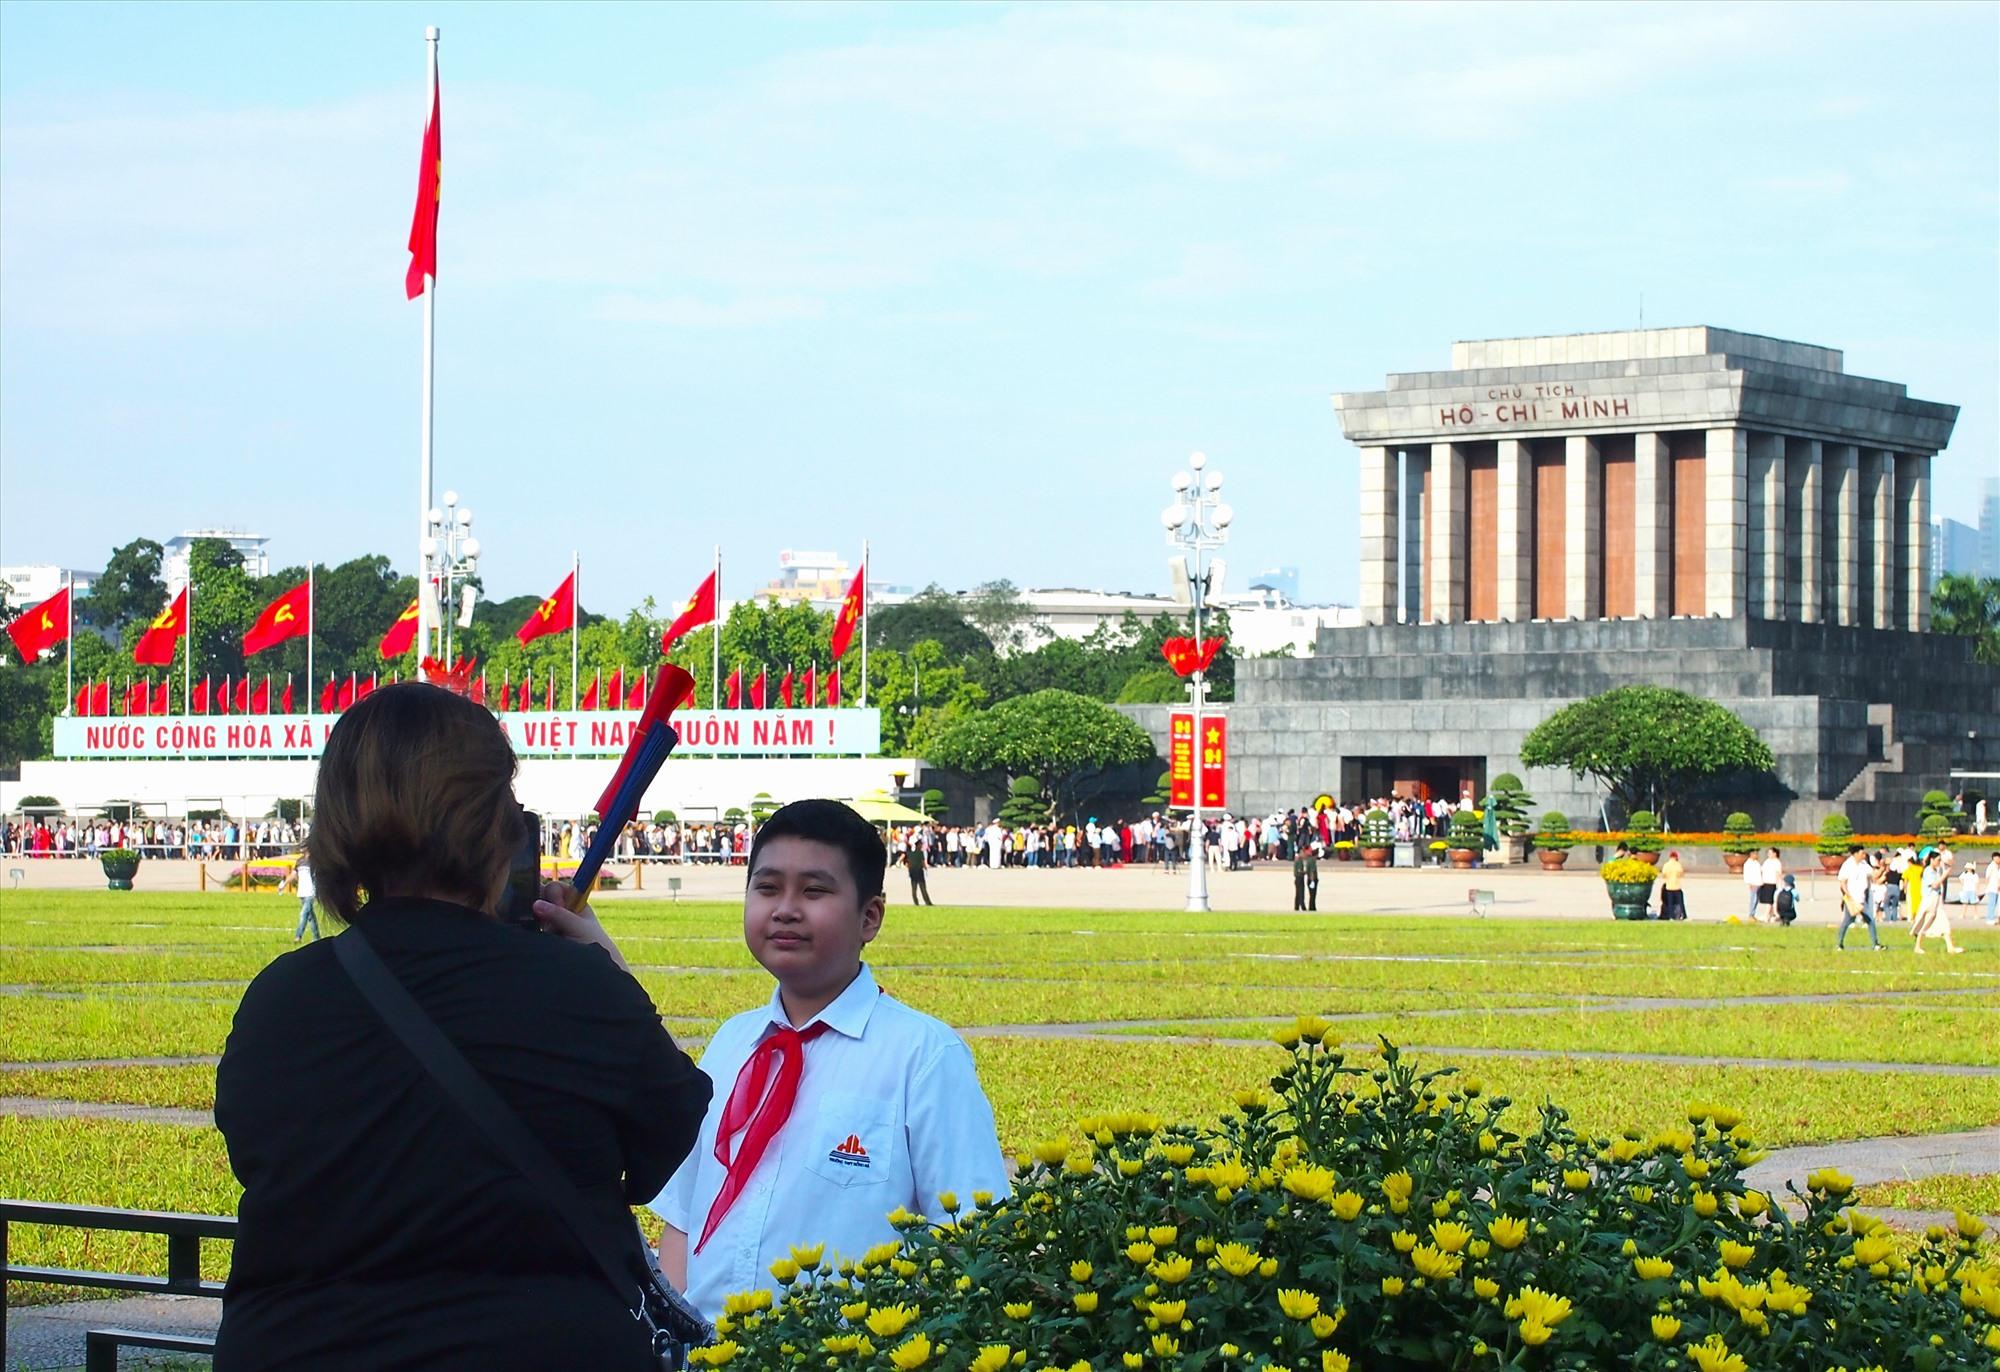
x: 1180, y: 761
x: 1214, y: 760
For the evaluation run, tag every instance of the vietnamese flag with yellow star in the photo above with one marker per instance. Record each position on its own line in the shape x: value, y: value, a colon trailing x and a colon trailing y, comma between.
x: 41, y: 628
x: 850, y: 614
x: 286, y: 617
x: 155, y: 647
x: 555, y: 615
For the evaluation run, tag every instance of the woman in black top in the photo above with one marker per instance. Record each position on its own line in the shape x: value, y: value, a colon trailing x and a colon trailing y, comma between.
x: 378, y: 1228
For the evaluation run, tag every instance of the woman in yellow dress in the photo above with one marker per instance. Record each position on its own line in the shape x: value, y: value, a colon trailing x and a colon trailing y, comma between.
x: 1913, y: 886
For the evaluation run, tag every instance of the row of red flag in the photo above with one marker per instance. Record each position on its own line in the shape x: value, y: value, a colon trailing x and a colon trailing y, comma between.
x: 621, y: 690
x: 291, y: 615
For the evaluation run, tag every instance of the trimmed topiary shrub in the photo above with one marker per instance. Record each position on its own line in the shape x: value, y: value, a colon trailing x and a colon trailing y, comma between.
x: 1509, y: 803
x: 1644, y: 830
x: 663, y: 816
x: 1467, y: 830
x: 1836, y: 836
x: 1553, y: 833
x: 1742, y: 831
x: 1936, y: 803
x: 1376, y: 830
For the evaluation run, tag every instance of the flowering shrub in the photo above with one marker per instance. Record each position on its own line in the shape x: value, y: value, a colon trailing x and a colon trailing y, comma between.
x: 1369, y: 1216
x: 1629, y: 871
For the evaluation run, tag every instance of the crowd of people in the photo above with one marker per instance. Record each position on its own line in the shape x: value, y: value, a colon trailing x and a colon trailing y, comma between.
x: 55, y: 836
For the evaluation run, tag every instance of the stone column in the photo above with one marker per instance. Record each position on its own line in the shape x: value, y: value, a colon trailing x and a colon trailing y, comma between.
x: 1878, y: 480
x: 1652, y: 535
x: 1379, y: 541
x: 1766, y: 546
x: 1447, y: 533
x: 1841, y: 473
x: 1517, y: 531
x: 1805, y: 589
x: 1583, y: 529
x: 1416, y: 472
x: 1725, y: 594
x: 1913, y: 473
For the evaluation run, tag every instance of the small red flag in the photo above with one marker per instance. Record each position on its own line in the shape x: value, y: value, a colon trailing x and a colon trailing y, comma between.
x: 81, y: 705
x: 549, y: 696
x: 430, y: 189
x: 241, y: 699
x: 732, y: 690
x: 850, y: 614
x: 344, y: 698
x: 285, y: 700
x: 286, y: 617
x: 699, y: 610
x: 833, y: 687
x: 478, y: 695
x: 555, y: 615
x: 614, y: 694
x: 260, y: 699
x: 635, y: 699
x: 589, y: 701
x: 41, y: 628
x: 222, y: 696
x: 155, y: 647
x: 759, y: 688
x: 162, y: 703
x: 135, y: 697
x: 527, y: 695
x: 327, y: 696
x: 809, y: 687
x: 100, y: 698
x: 785, y: 689
x: 364, y: 689
x: 402, y: 633
x: 199, y: 705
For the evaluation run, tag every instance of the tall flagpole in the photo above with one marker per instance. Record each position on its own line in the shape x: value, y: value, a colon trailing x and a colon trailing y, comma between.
x: 425, y: 612
x: 866, y: 587
x: 311, y: 610
x: 187, y: 660
x: 69, y: 644
x: 715, y: 639
x: 575, y: 619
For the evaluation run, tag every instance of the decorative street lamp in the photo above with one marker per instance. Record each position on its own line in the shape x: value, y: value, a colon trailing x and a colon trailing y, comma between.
x: 1197, y: 521
x: 453, y: 555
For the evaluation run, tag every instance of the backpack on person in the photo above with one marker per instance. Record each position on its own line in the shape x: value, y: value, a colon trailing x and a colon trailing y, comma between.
x: 1787, y: 905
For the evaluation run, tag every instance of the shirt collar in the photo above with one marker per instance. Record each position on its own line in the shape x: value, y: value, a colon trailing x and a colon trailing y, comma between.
x: 847, y: 1015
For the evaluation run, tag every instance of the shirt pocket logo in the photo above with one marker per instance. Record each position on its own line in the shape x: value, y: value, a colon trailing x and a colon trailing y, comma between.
x: 856, y: 1141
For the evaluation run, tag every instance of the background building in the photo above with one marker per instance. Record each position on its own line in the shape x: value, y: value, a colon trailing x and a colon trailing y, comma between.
x: 1718, y: 512
x: 1989, y: 527
x: 1954, y: 550
x: 30, y: 583
x: 174, y: 558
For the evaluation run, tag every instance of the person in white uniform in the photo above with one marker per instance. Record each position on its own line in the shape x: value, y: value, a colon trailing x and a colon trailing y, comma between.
x: 835, y: 1103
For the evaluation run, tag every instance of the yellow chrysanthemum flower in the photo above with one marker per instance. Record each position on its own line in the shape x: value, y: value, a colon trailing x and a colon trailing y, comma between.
x: 1830, y: 1180
x: 1450, y: 1237
x: 1085, y: 1302
x: 1238, y: 1260
x: 1392, y: 1286
x: 1345, y: 1206
x: 1332, y: 1361
x: 1736, y: 1254
x: 1713, y: 1355
x: 889, y: 1320
x: 1433, y: 1264
x: 1651, y: 1269
x: 1016, y: 1310
x: 1485, y: 1288
x: 1665, y: 1327
x: 1174, y: 1270
x: 911, y: 1354
x: 992, y: 1357
x: 1309, y: 1183
x: 1299, y: 1305
x: 1534, y: 1333
x: 1168, y: 1313
x: 1509, y: 1231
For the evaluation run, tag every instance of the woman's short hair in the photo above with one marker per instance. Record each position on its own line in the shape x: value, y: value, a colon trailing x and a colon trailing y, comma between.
x: 415, y: 794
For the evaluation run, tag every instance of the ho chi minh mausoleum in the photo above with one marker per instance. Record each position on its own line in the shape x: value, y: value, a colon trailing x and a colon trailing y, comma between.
x: 1730, y: 515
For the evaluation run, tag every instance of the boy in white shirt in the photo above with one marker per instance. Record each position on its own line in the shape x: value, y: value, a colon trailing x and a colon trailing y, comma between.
x: 835, y: 1103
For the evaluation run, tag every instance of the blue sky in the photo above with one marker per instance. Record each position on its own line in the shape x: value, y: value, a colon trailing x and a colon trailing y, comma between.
x: 967, y: 281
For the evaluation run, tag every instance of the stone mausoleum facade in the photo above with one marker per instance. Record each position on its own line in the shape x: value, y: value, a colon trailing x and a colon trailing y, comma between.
x: 1723, y: 513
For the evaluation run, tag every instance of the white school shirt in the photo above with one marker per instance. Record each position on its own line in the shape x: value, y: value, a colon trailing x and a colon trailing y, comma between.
x: 1753, y: 873
x: 889, y: 1113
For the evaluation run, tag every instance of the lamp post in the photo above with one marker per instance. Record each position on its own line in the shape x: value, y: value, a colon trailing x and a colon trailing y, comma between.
x: 1197, y: 522
x: 453, y: 555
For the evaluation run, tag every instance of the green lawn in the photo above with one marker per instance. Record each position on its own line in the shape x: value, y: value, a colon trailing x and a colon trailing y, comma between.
x: 1975, y: 1193
x: 89, y: 976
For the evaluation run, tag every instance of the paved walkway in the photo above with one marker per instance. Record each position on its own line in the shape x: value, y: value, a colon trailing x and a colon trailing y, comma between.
x: 44, y: 1337
x: 1345, y: 888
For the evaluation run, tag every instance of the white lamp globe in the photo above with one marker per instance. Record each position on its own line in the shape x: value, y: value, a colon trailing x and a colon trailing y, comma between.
x: 471, y: 548
x: 1174, y: 516
x: 1223, y: 516
x: 1214, y: 481
x: 1182, y: 481
x: 465, y: 515
x: 429, y: 546
x: 450, y: 499
x: 1197, y: 460
x: 435, y: 515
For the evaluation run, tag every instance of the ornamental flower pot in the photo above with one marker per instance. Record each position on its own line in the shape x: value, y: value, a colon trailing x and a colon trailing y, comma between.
x: 1828, y: 863
x: 119, y: 869
x: 1375, y: 857
x: 1463, y: 858
x: 1552, y: 859
x: 1734, y: 861
x: 1629, y: 899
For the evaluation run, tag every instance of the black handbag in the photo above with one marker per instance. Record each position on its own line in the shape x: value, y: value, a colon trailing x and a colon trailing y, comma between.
x: 672, y: 1325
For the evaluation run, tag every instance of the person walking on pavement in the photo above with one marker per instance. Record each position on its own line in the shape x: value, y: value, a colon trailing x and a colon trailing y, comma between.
x: 1753, y: 877
x: 302, y: 881
x: 1857, y: 875
x: 1305, y: 877
x: 916, y: 860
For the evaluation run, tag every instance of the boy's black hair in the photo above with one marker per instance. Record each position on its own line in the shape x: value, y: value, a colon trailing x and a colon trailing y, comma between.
x: 832, y: 823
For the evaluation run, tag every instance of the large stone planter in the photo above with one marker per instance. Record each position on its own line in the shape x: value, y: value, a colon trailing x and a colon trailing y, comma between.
x: 1375, y: 857
x: 1406, y: 855
x: 1463, y: 858
x: 1830, y: 863
x: 1513, y: 851
x: 118, y: 872
x: 1552, y: 859
x: 1629, y: 899
x: 1734, y: 861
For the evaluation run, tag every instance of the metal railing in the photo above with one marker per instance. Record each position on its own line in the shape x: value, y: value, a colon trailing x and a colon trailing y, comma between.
x: 183, y: 1233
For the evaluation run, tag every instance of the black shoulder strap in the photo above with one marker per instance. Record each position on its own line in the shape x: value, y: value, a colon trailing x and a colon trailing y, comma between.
x: 477, y: 1098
